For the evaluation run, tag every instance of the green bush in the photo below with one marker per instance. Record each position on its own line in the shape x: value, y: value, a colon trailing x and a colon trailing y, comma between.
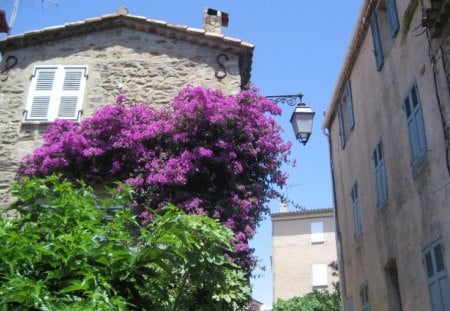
x: 314, y: 301
x: 66, y: 250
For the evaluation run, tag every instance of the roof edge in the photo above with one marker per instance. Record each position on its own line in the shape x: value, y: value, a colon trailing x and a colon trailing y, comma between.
x: 358, y: 36
x: 158, y: 27
x: 311, y: 212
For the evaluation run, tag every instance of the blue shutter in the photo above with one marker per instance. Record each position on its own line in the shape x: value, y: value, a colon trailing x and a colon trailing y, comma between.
x: 379, y: 181
x: 380, y: 175
x: 377, y: 48
x: 436, y: 272
x: 412, y: 128
x: 393, y: 17
x: 415, y: 123
x: 418, y: 116
x: 356, y: 211
x: 349, y: 100
x: 341, y: 125
x: 383, y: 183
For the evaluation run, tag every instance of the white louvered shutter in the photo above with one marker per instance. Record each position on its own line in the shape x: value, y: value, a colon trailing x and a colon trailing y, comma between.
x: 56, y: 92
x: 70, y: 99
x: 41, y: 93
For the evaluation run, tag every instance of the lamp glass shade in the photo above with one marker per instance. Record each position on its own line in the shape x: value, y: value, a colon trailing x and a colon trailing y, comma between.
x: 302, y: 121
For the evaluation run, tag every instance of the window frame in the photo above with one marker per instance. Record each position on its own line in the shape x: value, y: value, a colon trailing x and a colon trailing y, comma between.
x: 57, y: 95
x: 364, y: 295
x: 439, y: 278
x: 415, y: 125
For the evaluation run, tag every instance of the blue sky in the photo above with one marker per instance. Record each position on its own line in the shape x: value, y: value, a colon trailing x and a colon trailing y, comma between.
x: 300, y: 47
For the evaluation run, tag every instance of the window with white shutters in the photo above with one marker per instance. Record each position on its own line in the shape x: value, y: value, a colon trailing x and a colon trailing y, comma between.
x: 56, y: 92
x: 317, y: 232
x: 319, y: 273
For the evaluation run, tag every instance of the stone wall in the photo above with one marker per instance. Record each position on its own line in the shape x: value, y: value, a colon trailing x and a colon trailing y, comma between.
x: 146, y: 67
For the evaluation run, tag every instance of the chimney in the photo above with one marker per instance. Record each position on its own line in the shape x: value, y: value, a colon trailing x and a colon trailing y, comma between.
x: 214, y: 20
x: 283, y: 206
x: 3, y: 23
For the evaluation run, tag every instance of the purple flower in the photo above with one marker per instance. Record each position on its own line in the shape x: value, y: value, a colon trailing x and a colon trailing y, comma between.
x: 121, y: 99
x: 207, y: 153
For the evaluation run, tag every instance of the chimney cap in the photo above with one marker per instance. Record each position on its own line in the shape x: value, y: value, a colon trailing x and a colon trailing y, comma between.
x: 223, y: 15
x: 123, y: 10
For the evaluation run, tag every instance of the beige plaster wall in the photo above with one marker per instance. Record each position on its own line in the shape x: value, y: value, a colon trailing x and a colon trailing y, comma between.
x: 418, y: 197
x: 293, y: 254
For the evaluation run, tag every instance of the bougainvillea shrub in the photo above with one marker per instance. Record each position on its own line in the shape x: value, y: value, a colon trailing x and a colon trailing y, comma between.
x: 207, y: 153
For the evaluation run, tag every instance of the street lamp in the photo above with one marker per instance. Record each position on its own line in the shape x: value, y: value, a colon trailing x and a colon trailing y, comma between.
x: 302, y: 117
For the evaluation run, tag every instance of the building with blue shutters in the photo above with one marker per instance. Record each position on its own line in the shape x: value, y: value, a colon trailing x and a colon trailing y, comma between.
x: 388, y: 125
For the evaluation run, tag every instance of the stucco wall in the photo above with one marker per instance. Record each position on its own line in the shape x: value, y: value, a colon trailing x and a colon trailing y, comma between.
x: 146, y: 67
x: 293, y: 253
x: 416, y: 213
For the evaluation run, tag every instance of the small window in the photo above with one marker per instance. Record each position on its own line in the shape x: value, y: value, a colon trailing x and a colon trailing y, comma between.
x: 356, y: 211
x: 415, y: 124
x: 317, y: 232
x: 380, y: 175
x: 364, y: 293
x: 56, y: 92
x: 319, y: 273
x: 376, y: 37
x: 437, y: 278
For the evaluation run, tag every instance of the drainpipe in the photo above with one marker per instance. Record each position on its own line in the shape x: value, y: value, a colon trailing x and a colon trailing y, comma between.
x: 340, y: 254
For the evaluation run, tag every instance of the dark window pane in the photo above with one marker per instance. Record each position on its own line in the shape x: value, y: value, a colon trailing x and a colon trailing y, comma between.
x: 407, y: 107
x: 439, y: 258
x: 429, y: 264
x: 414, y: 97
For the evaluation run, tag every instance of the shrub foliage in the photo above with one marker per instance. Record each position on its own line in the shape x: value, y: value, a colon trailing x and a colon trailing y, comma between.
x: 68, y: 251
x: 314, y: 301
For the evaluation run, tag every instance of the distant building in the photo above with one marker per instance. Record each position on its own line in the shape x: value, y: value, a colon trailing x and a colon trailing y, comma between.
x: 303, y: 246
x: 256, y: 305
x: 388, y: 124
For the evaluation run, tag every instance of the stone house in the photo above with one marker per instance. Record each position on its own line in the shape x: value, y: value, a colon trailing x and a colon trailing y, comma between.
x: 303, y: 246
x: 387, y: 124
x: 70, y: 71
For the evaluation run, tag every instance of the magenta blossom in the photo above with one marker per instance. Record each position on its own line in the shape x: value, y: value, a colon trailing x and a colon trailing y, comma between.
x: 207, y: 153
